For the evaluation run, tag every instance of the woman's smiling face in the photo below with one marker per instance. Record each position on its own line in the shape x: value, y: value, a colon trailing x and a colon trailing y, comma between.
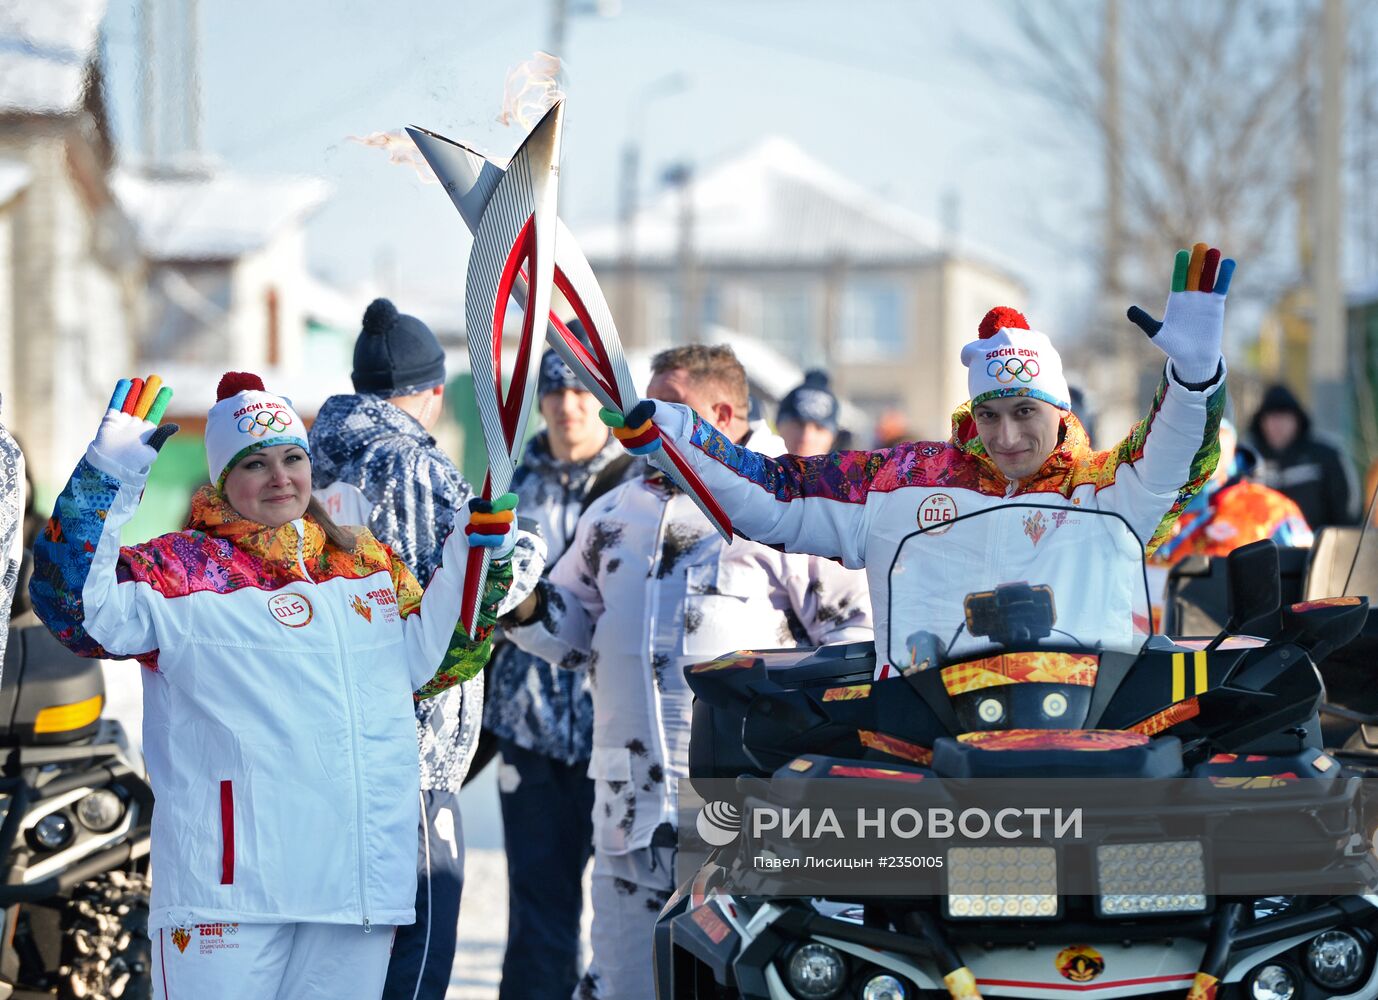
x: 271, y: 486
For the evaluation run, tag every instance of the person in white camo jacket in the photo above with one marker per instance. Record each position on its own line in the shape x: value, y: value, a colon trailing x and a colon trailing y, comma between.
x: 646, y: 588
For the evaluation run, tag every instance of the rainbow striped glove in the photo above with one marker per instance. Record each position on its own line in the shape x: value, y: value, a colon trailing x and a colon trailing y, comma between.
x: 493, y: 524
x: 129, y: 438
x: 1193, y: 326
x: 634, y: 428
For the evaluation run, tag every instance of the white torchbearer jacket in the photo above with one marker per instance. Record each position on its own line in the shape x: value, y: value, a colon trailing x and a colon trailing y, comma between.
x: 859, y: 506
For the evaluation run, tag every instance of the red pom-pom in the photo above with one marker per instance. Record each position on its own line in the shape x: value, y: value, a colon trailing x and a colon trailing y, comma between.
x: 1002, y: 318
x: 233, y: 382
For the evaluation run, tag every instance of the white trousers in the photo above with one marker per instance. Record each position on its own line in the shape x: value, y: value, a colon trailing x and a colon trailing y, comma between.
x: 229, y: 961
x: 627, y: 892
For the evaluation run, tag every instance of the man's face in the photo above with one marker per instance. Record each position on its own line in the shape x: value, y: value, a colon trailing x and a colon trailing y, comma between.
x: 1279, y: 428
x: 704, y: 396
x: 571, y: 417
x: 1019, y: 433
x: 805, y: 438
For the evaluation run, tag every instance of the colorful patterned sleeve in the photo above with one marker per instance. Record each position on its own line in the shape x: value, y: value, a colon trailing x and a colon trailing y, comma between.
x: 1167, y: 457
x: 814, y: 505
x: 80, y: 588
x: 468, y: 655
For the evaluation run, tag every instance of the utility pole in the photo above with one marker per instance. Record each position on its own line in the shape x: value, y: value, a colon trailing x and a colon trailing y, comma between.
x: 681, y: 176
x: 1116, y: 396
x: 191, y: 99
x: 1328, y: 345
x: 627, y: 209
x: 148, y: 83
x: 559, y: 19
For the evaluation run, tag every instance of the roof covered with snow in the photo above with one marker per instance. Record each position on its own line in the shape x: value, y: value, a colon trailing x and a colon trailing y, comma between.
x: 219, y: 216
x: 775, y: 204
x: 45, y: 46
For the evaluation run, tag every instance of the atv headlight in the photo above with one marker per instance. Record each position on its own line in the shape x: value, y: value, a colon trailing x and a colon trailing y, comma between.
x: 883, y: 988
x: 53, y: 831
x: 817, y: 972
x: 1002, y: 882
x: 1144, y: 879
x: 1273, y: 982
x: 101, y: 811
x: 1335, y: 959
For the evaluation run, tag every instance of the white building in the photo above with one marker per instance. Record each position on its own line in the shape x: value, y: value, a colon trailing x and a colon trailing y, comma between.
x: 782, y: 248
x: 71, y: 278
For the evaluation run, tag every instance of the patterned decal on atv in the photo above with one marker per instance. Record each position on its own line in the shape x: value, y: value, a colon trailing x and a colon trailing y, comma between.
x: 895, y: 746
x: 1076, y: 669
x: 801, y: 765
x: 1054, y: 739
x: 711, y: 924
x: 732, y: 661
x: 850, y: 771
x: 851, y: 692
x: 961, y: 985
x: 1167, y: 718
x: 1327, y: 602
x: 1254, y: 782
x: 1080, y: 963
x: 1203, y: 987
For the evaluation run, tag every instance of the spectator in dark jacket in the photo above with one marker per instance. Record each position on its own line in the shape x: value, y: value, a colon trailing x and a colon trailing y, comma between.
x: 1316, y: 475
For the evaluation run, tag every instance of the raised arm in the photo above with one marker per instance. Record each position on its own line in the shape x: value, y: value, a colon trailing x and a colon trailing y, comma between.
x: 815, y: 505
x: 90, y: 599
x: 1170, y: 454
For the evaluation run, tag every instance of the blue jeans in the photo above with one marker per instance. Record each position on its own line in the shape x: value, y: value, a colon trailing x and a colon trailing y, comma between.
x: 423, y: 955
x: 547, y: 822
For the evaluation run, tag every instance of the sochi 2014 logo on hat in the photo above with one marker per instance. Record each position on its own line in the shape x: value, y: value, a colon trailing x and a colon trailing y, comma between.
x: 719, y: 823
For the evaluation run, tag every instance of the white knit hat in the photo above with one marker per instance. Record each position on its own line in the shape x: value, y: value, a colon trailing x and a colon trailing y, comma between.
x: 1009, y: 359
x: 246, y: 418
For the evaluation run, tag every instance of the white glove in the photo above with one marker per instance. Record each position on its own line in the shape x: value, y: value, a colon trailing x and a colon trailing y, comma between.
x: 1193, y: 326
x: 129, y: 437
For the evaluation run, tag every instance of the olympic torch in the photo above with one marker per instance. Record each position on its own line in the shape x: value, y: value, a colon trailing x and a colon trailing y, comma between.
x: 472, y: 182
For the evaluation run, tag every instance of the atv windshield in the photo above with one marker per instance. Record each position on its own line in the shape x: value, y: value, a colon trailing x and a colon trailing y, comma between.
x: 1017, y: 576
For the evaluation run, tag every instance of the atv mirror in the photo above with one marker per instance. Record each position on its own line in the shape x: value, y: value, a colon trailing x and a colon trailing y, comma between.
x: 1255, y: 591
x: 1324, y: 626
x: 1254, y: 588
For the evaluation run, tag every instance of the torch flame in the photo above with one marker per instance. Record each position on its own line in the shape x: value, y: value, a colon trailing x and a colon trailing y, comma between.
x: 532, y: 88
x: 400, y: 149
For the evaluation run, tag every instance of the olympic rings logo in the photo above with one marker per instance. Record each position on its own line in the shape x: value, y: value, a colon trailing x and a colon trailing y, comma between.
x: 264, y: 422
x: 1007, y: 370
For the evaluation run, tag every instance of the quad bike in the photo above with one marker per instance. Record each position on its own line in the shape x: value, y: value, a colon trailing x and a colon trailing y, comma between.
x: 74, y: 832
x: 1019, y: 654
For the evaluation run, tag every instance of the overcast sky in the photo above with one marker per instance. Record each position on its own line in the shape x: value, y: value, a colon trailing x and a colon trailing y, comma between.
x: 890, y: 92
